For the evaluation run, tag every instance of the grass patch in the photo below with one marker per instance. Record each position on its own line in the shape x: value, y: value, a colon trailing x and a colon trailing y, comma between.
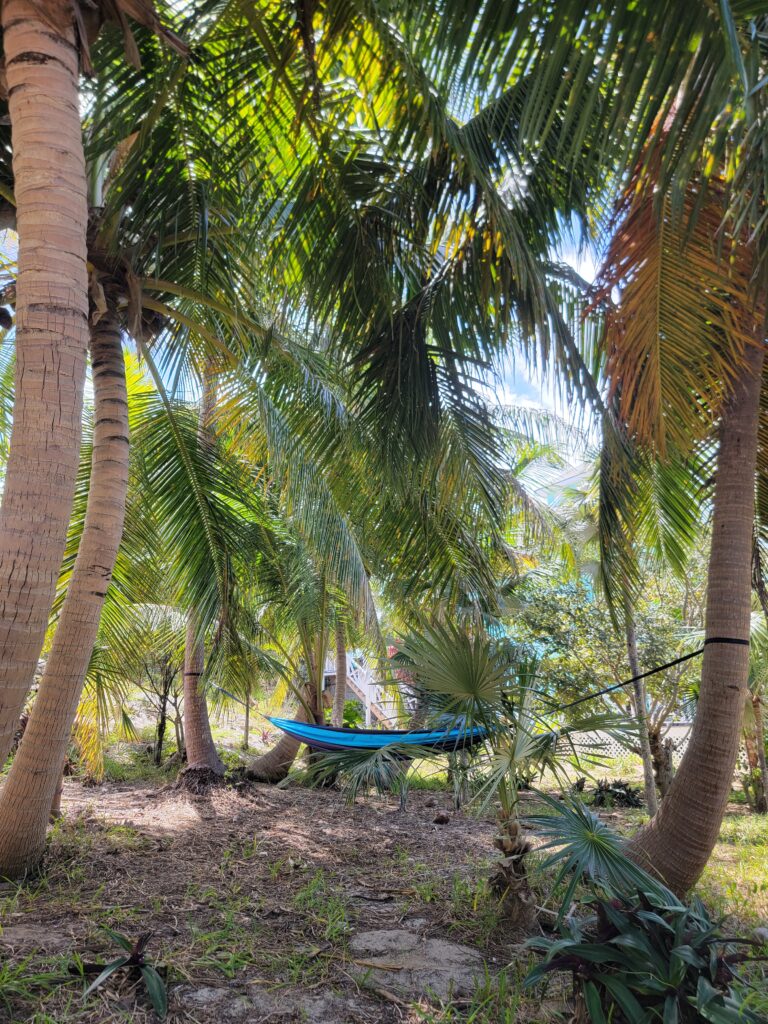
x: 21, y: 982
x: 497, y: 999
x: 735, y: 882
x: 133, y: 764
x: 327, y: 910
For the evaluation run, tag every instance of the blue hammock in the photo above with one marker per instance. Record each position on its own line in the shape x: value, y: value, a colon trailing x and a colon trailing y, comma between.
x: 328, y: 737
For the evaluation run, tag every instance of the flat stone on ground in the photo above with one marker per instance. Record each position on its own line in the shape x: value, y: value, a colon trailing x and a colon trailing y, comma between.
x: 409, y: 965
x: 280, y: 1006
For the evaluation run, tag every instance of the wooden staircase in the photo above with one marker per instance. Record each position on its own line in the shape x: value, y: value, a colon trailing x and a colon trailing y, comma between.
x: 378, y: 703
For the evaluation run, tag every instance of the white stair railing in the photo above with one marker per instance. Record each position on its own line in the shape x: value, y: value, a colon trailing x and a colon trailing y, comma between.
x: 377, y: 701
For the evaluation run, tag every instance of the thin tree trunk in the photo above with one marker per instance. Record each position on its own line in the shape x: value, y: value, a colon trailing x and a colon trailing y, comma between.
x: 201, y: 751
x: 26, y: 798
x: 758, y: 583
x: 161, y: 726
x: 41, y: 65
x: 55, y: 811
x: 678, y: 842
x: 247, y: 724
x: 178, y: 726
x: 663, y: 767
x: 641, y: 712
x: 340, y: 692
x: 761, y: 791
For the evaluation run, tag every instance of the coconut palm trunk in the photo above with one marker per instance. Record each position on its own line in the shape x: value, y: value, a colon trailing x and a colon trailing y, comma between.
x: 41, y: 65
x: 202, y: 759
x: 26, y: 798
x: 340, y: 691
x: 203, y: 763
x: 677, y: 843
x: 274, y: 765
x: 641, y: 712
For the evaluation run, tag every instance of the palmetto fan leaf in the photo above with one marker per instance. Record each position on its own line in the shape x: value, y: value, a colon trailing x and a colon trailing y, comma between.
x: 446, y: 659
x: 585, y: 847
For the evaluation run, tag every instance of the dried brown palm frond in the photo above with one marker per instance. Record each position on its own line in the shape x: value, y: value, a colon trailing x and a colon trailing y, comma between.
x: 680, y: 309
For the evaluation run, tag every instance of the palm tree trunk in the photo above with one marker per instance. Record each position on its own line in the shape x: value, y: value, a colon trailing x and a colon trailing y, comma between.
x: 276, y: 763
x: 677, y: 843
x: 340, y: 692
x: 201, y: 751
x: 641, y: 712
x: 41, y: 67
x: 26, y: 798
x: 247, y: 724
x: 202, y: 759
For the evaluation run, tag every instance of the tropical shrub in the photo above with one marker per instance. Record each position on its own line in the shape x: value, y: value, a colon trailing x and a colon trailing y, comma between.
x: 639, y: 959
x: 641, y: 955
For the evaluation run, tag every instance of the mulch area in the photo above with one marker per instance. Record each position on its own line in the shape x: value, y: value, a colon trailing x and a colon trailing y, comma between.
x: 250, y: 895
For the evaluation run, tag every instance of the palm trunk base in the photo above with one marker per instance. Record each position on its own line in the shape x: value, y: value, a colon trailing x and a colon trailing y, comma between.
x: 198, y: 778
x: 509, y: 879
x: 273, y: 767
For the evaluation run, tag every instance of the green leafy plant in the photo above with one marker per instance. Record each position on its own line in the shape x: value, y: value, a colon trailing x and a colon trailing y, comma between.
x: 587, y: 850
x: 18, y: 982
x: 353, y: 715
x: 135, y: 961
x: 638, y: 959
x: 642, y: 955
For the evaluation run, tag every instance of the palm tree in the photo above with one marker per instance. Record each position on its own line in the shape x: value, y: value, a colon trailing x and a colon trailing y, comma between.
x: 409, y: 231
x: 27, y: 795
x: 203, y: 762
x: 466, y: 678
x: 340, y: 691
x: 42, y: 53
x: 52, y: 336
x: 688, y: 92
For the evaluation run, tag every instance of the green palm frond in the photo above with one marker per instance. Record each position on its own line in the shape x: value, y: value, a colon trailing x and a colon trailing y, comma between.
x: 585, y: 848
x: 384, y: 770
x: 445, y: 659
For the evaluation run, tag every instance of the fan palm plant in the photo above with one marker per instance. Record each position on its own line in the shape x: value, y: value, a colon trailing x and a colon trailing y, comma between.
x: 467, y: 678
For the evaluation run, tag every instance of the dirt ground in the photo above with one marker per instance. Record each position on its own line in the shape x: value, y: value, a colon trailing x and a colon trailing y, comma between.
x: 266, y: 904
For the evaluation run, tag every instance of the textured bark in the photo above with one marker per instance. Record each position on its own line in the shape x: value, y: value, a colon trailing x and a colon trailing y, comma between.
x: 28, y: 794
x: 754, y: 742
x: 162, y: 721
x: 340, y: 692
x: 663, y: 767
x: 677, y: 843
x: 201, y: 751
x: 245, y: 745
x: 641, y: 713
x: 51, y: 334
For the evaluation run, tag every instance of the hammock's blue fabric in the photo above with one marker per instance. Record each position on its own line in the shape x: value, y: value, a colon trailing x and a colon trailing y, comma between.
x: 327, y: 737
